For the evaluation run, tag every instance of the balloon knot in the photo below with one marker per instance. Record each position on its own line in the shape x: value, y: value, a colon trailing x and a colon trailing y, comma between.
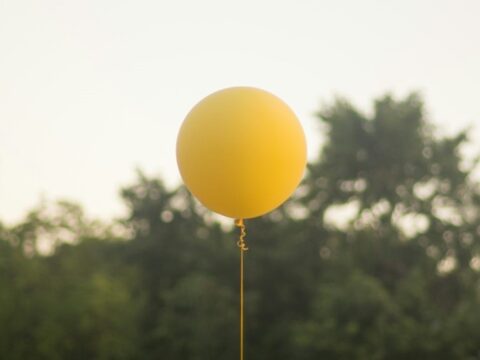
x: 243, y: 233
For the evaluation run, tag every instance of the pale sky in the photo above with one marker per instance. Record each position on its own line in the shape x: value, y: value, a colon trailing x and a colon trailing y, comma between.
x: 92, y: 89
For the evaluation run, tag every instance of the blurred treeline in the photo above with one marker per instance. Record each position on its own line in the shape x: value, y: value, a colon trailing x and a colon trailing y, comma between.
x: 377, y: 256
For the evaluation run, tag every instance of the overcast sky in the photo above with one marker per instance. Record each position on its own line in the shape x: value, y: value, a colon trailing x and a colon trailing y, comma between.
x: 92, y: 89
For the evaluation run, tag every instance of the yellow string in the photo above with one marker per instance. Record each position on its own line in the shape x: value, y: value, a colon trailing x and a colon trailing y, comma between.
x: 243, y: 247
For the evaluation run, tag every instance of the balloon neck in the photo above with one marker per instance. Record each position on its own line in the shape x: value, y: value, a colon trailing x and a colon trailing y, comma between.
x: 243, y: 233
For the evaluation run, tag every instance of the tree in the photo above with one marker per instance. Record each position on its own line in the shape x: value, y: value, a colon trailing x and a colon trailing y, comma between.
x: 413, y: 232
x: 376, y: 256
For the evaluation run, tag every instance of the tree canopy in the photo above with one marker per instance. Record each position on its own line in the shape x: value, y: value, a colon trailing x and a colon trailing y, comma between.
x: 376, y: 256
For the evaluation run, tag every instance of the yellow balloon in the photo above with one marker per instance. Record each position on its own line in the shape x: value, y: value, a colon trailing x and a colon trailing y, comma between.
x: 241, y: 151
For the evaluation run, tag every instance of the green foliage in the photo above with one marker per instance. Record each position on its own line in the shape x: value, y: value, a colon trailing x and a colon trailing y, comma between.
x: 397, y: 278
x: 364, y: 311
x: 197, y: 320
